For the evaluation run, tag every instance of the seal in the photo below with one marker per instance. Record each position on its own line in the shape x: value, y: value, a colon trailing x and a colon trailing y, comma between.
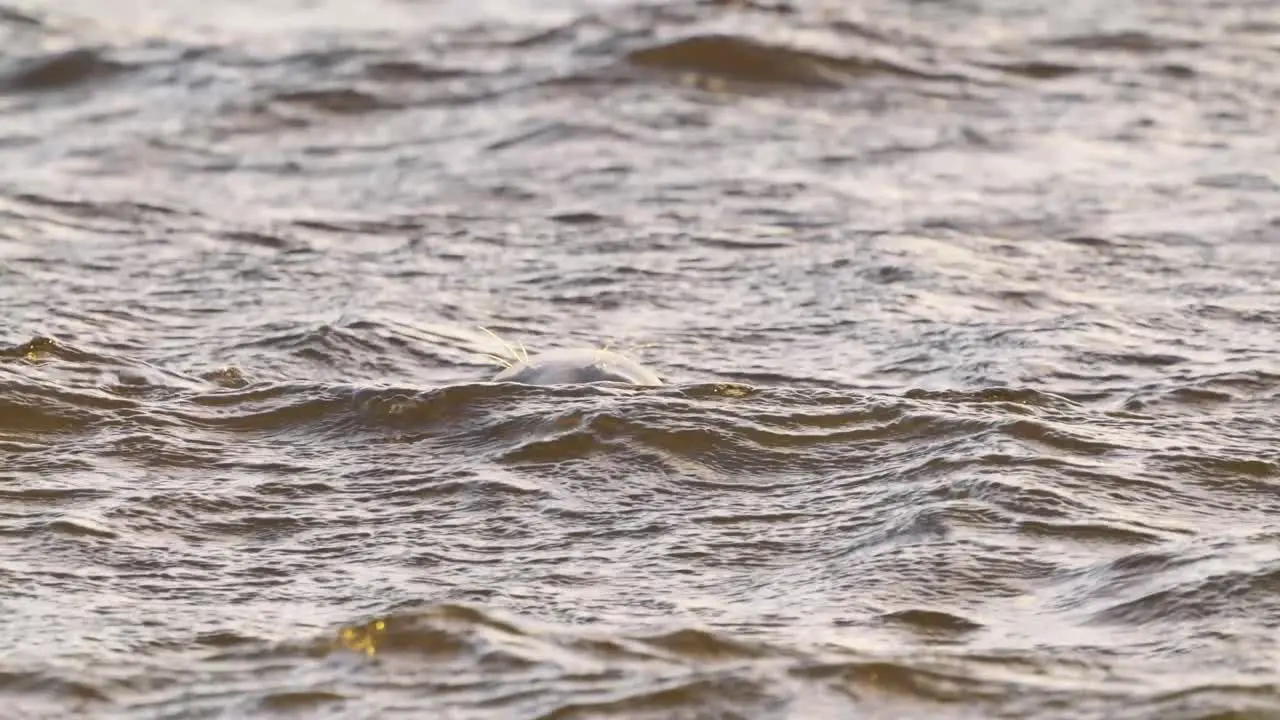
x: 583, y: 365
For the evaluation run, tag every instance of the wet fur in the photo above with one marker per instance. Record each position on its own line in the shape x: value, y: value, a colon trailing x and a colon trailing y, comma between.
x: 568, y: 367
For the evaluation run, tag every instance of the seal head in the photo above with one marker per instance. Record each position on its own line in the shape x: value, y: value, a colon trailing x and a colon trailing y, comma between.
x: 571, y: 367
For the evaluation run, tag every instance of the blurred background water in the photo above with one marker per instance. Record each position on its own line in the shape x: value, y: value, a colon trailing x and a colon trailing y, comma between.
x: 967, y: 311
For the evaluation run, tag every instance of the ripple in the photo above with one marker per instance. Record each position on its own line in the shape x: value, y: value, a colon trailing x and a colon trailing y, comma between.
x: 81, y: 527
x: 1220, y: 594
x: 29, y: 683
x: 58, y: 71
x: 13, y: 17
x: 340, y: 101
x: 1038, y: 69
x: 932, y: 621
x: 968, y: 320
x: 748, y: 60
x: 1127, y: 41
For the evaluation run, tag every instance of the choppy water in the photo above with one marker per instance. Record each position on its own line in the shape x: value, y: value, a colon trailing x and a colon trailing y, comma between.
x: 968, y: 312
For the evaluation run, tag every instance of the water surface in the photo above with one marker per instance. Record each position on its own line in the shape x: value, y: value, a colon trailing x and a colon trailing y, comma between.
x: 967, y: 313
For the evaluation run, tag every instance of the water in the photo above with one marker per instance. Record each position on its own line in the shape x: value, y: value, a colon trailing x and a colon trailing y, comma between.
x: 967, y: 313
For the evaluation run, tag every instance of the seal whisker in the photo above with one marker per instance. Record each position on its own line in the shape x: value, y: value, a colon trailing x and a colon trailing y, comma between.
x: 512, y: 354
x: 497, y: 359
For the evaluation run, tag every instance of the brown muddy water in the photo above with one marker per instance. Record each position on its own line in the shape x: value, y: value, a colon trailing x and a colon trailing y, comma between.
x: 966, y: 311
